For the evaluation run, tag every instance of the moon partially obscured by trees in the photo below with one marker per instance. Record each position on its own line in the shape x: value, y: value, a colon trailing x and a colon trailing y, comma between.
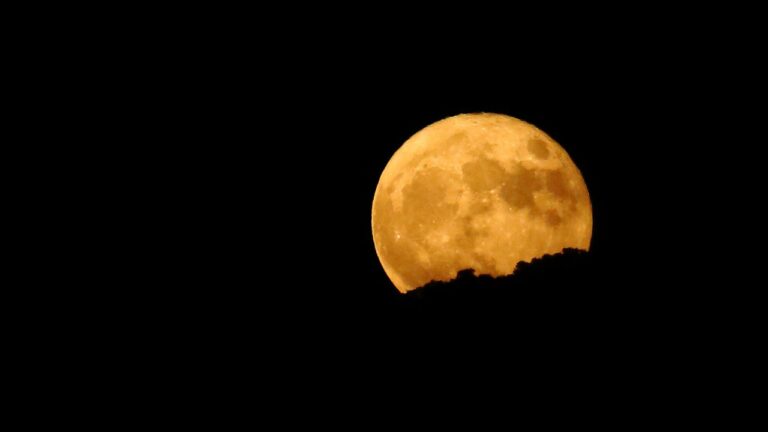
x: 479, y: 191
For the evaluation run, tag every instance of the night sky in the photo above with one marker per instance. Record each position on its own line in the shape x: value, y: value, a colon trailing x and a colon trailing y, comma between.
x: 284, y: 195
x: 234, y: 259
x: 260, y: 156
x: 196, y: 246
x: 279, y: 267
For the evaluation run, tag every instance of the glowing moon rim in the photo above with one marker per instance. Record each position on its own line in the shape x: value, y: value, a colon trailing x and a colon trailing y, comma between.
x: 482, y: 191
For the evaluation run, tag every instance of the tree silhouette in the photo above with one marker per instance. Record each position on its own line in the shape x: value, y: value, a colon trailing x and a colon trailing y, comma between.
x: 559, y: 274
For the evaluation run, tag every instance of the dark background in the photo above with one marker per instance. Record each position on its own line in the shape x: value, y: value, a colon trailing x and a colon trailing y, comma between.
x: 274, y: 155
x: 225, y: 171
x: 275, y: 176
x: 280, y: 160
x: 252, y: 153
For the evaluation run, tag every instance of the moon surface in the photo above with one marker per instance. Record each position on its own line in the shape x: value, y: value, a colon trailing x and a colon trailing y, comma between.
x: 481, y: 191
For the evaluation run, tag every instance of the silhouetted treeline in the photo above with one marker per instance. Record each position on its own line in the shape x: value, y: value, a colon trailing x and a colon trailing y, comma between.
x: 555, y: 278
x: 570, y: 296
x: 566, y: 296
x: 571, y: 263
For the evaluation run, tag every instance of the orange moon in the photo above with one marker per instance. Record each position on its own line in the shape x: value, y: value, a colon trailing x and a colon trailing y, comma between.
x: 481, y: 191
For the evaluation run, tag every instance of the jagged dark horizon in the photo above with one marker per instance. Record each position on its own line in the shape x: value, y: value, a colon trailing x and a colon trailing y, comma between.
x: 553, y: 282
x: 522, y: 266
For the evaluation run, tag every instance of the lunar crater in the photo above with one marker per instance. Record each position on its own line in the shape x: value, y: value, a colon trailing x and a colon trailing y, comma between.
x: 538, y: 147
x: 483, y: 174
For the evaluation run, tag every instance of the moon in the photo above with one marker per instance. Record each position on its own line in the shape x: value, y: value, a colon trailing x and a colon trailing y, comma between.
x: 481, y: 191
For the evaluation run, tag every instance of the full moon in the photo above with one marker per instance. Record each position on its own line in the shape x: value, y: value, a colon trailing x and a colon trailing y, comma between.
x: 481, y: 191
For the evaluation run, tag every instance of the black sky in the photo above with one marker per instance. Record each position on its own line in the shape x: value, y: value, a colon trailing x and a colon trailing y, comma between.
x: 196, y: 242
x: 284, y: 167
x: 247, y: 156
x: 267, y: 149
